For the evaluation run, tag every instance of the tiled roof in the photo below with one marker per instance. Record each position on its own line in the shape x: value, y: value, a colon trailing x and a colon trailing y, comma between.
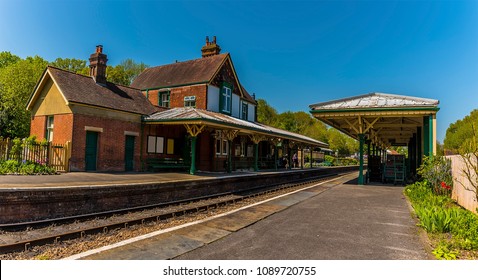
x: 180, y: 73
x: 83, y: 89
x: 201, y: 70
x: 375, y: 100
x: 187, y: 114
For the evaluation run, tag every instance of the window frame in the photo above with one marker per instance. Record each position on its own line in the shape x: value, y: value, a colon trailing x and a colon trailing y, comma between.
x: 161, y: 101
x: 244, y: 113
x: 155, y: 148
x: 225, y: 98
x: 49, y: 126
x: 190, y: 101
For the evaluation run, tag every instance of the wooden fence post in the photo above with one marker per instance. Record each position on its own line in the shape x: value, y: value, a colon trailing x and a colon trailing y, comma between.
x: 67, y: 155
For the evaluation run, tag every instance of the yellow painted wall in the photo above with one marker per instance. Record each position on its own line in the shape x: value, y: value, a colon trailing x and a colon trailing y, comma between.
x: 50, y: 101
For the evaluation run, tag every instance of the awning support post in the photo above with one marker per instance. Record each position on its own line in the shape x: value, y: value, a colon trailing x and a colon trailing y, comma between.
x: 360, y: 177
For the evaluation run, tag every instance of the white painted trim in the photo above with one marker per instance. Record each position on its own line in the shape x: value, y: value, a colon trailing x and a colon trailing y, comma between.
x: 93, y: 128
x: 131, y: 133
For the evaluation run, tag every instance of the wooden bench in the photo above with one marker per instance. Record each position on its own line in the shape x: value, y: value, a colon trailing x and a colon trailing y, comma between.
x: 166, y: 163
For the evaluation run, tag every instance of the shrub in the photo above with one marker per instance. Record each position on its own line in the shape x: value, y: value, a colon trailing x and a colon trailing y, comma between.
x: 440, y: 215
x: 437, y: 172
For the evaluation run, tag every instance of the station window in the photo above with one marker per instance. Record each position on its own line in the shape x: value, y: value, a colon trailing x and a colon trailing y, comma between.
x: 226, y: 98
x: 244, y: 110
x: 164, y: 99
x: 49, y: 128
x: 155, y: 145
x: 190, y: 101
x: 222, y: 145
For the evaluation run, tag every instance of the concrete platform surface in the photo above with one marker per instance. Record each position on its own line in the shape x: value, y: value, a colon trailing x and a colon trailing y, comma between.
x: 335, y: 220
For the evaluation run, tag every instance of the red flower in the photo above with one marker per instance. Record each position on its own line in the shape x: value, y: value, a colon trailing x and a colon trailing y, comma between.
x: 445, y: 186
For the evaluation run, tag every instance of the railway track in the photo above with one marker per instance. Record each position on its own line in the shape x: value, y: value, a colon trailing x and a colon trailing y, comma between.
x: 112, y: 220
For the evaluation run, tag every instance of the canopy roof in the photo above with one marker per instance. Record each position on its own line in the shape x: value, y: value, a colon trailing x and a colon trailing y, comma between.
x: 384, y: 119
x: 193, y: 116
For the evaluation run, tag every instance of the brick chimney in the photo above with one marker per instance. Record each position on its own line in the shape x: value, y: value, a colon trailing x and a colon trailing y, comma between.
x: 98, y: 65
x: 211, y: 48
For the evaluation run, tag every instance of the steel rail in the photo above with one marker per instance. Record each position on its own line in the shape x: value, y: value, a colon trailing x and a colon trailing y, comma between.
x: 25, y: 245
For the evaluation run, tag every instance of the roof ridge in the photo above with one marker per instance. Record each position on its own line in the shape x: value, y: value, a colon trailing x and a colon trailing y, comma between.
x: 87, y: 76
x: 186, y: 61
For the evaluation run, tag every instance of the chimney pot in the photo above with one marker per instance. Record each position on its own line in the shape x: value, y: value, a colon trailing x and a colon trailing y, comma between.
x: 211, y: 48
x: 98, y: 65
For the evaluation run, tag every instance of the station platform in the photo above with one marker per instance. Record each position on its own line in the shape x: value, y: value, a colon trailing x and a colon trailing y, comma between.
x: 336, y: 219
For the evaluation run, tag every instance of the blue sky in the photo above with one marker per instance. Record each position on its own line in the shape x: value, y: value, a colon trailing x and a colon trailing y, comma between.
x: 291, y: 53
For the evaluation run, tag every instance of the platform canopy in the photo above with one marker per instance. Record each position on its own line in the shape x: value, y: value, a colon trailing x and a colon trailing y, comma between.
x: 383, y: 120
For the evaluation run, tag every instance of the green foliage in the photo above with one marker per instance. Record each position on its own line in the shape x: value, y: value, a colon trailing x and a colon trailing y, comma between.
x: 459, y: 133
x: 6, y: 58
x: 17, y: 81
x: 444, y: 252
x: 25, y: 168
x: 125, y: 72
x: 437, y: 172
x: 303, y: 123
x: 456, y: 228
x: 71, y: 64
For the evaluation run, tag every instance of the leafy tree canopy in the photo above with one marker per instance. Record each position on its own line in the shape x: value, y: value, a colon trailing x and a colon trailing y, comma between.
x: 461, y: 133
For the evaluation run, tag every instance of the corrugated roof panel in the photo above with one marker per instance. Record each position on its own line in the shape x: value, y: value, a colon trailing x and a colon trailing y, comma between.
x: 186, y: 113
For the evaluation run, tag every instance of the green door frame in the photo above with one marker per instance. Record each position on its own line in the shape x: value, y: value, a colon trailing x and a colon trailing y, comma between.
x: 129, y: 153
x: 91, y: 150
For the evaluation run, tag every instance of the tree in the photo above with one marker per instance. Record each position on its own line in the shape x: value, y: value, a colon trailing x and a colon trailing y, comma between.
x: 17, y: 81
x: 125, y: 72
x: 6, y: 58
x: 71, y: 64
x: 460, y: 132
x: 266, y: 114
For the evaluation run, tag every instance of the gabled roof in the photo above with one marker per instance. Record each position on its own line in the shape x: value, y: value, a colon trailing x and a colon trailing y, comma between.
x: 188, y: 115
x: 375, y: 100
x: 81, y: 89
x: 197, y: 71
x: 200, y: 70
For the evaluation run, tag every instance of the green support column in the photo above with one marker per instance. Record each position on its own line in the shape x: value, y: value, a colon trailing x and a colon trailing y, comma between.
x: 361, y: 142
x: 301, y: 158
x: 426, y: 136
x: 192, y: 171
x: 256, y: 157
x: 275, y: 156
x: 229, y: 158
x: 430, y: 136
x: 310, y: 160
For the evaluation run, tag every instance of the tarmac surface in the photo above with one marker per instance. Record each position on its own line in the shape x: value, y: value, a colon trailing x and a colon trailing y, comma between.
x: 73, y: 179
x: 336, y: 220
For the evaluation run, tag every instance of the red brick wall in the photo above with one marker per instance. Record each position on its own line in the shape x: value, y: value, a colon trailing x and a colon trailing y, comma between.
x: 62, y: 127
x: 37, y: 127
x: 152, y: 96
x: 111, y: 143
x: 178, y: 94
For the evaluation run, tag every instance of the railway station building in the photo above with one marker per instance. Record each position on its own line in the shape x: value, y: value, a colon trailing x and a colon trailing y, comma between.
x: 194, y: 115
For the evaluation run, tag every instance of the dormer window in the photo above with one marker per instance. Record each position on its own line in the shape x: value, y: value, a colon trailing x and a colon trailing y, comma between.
x: 226, y: 98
